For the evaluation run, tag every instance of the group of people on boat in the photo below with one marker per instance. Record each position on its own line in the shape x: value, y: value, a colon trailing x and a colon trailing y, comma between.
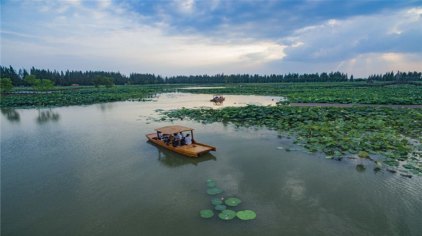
x: 176, y: 139
x: 217, y: 99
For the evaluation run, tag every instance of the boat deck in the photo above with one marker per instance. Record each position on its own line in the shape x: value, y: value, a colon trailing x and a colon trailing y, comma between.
x: 192, y: 150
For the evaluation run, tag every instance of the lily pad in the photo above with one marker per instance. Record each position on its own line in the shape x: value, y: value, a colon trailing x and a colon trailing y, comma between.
x: 220, y: 207
x: 232, y: 201
x: 363, y: 154
x: 216, y: 201
x: 227, y: 215
x: 408, y: 166
x: 360, y: 167
x: 214, y: 191
x: 246, y: 215
x: 211, y: 184
x: 206, y: 213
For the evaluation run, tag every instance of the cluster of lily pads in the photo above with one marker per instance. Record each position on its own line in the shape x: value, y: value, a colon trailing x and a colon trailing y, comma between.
x: 221, y: 205
x: 337, y: 132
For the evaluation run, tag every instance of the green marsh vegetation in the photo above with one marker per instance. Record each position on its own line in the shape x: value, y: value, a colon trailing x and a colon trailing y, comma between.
x: 357, y: 132
x: 329, y: 92
x: 400, y: 88
x: 79, y: 95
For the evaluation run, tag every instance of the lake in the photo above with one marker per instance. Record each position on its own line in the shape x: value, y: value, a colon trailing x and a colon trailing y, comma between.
x: 88, y: 170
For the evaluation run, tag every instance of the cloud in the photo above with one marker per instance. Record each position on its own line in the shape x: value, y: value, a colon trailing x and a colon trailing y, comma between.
x: 105, y: 38
x: 334, y: 40
x: 379, y: 63
x: 185, y: 6
x: 197, y: 37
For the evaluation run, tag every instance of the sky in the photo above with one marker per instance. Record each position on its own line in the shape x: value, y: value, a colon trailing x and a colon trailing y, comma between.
x: 195, y: 37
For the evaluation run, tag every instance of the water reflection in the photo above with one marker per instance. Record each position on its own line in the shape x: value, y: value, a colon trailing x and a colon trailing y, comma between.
x: 105, y: 106
x: 172, y: 159
x: 47, y: 116
x: 11, y: 114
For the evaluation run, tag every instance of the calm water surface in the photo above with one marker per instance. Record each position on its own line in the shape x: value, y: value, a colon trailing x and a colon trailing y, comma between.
x: 88, y: 170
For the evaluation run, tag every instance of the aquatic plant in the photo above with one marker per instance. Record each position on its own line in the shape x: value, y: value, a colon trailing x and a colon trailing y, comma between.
x: 246, y: 215
x: 333, y: 131
x: 232, y: 201
x: 67, y: 96
x: 356, y: 93
x: 211, y: 184
x: 227, y: 215
x: 206, y: 213
x: 216, y: 201
x: 360, y: 167
x: 220, y: 207
x: 363, y: 154
x: 214, y: 191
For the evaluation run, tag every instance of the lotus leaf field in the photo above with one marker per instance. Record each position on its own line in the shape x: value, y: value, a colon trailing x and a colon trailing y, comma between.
x: 327, y: 92
x: 394, y: 134
x: 340, y: 92
x: 67, y: 96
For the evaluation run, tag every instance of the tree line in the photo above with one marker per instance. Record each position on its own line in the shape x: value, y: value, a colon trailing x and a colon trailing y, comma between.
x: 67, y: 78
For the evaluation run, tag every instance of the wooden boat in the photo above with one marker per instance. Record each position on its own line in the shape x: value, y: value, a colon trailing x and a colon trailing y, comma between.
x: 192, y: 150
x: 218, y: 99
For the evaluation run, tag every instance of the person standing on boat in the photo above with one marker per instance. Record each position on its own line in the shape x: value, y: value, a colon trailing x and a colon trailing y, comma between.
x: 170, y: 140
x: 188, y: 139
x: 159, y: 135
x: 176, y: 141
x: 181, y: 138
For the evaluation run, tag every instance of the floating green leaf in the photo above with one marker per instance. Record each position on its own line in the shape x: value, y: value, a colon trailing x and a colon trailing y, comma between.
x: 227, y: 215
x: 216, y: 201
x: 211, y: 184
x: 214, y: 191
x: 232, y: 201
x: 363, y: 154
x: 246, y: 215
x: 220, y: 207
x: 360, y: 167
x: 408, y: 166
x: 206, y: 213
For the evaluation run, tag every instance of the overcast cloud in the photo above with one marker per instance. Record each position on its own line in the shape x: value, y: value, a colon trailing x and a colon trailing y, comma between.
x: 215, y: 36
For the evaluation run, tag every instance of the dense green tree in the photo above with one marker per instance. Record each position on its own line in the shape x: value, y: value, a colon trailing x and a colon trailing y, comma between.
x: 9, y: 72
x: 67, y: 78
x: 102, y: 80
x: 30, y: 80
x: 43, y: 84
x: 5, y: 85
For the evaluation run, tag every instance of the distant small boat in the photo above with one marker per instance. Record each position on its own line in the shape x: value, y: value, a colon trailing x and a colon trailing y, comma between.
x: 218, y: 99
x: 191, y: 150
